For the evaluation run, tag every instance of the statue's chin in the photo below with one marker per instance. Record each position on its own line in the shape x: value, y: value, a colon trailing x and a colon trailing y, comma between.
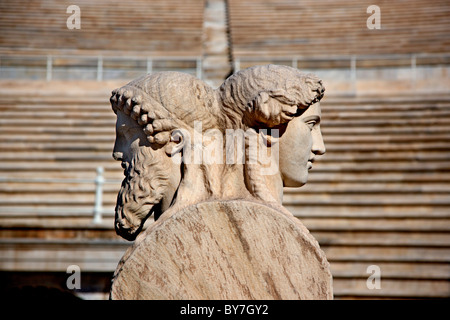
x: 295, y: 181
x: 129, y: 225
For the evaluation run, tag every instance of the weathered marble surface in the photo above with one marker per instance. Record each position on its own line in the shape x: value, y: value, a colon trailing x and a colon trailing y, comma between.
x: 224, y: 250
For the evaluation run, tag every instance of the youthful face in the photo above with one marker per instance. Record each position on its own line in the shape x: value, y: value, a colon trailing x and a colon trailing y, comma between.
x: 300, y: 143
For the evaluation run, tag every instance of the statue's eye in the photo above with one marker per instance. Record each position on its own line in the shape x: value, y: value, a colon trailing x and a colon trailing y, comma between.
x: 126, y: 131
x: 311, y: 124
x: 130, y: 132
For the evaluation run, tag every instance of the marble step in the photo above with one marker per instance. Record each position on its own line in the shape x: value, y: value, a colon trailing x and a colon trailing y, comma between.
x: 391, y: 289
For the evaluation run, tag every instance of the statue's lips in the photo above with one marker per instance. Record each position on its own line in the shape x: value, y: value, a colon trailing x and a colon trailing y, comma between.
x: 310, y: 162
x: 124, y: 165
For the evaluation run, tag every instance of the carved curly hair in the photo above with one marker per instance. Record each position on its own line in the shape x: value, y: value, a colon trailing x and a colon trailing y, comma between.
x: 164, y: 101
x: 244, y: 93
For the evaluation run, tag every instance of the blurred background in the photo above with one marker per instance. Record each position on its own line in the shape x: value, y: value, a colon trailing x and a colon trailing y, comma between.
x: 379, y: 197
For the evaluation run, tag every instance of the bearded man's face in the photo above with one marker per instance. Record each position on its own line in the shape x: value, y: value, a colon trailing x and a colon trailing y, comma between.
x: 151, y: 178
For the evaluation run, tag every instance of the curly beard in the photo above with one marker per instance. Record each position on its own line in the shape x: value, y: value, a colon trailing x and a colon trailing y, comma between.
x: 146, y: 179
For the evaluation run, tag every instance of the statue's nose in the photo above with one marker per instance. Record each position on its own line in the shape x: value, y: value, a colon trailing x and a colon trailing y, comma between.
x: 118, y: 156
x: 318, y: 146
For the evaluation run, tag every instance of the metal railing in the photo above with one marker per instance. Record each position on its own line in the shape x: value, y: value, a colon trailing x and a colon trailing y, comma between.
x: 353, y: 63
x: 93, y: 67
x: 298, y: 61
x: 98, y: 67
x: 99, y: 181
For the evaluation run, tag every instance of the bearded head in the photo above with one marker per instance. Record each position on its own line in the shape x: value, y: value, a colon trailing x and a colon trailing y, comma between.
x: 149, y: 110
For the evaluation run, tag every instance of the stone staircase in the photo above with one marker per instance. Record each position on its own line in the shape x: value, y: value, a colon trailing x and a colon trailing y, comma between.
x: 310, y: 28
x: 157, y: 28
x: 379, y: 196
x: 51, y: 146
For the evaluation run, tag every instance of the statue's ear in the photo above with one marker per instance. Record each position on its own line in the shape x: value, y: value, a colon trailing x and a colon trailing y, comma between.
x: 176, y: 143
x: 264, y: 96
x: 261, y: 108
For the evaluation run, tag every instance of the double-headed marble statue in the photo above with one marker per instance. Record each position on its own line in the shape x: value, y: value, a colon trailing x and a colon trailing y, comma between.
x: 210, y: 166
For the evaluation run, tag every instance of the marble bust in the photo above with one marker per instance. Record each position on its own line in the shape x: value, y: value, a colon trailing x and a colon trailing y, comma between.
x: 283, y: 99
x: 210, y: 165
